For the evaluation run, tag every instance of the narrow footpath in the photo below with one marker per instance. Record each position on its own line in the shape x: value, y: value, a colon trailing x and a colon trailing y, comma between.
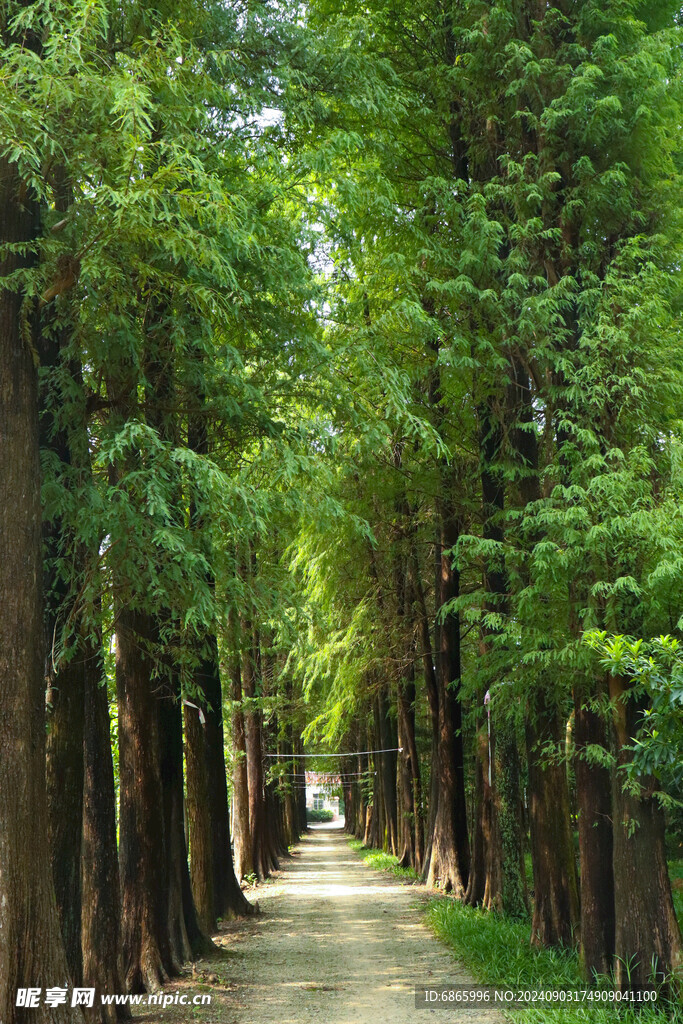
x: 336, y: 943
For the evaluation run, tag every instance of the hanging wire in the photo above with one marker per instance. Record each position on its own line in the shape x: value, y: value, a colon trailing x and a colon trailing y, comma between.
x: 349, y: 753
x: 324, y: 775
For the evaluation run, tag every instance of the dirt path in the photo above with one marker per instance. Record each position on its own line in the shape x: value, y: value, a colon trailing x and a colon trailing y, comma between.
x: 336, y: 943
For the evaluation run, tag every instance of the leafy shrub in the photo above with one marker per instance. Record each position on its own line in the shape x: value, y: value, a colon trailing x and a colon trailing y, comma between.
x: 325, y: 814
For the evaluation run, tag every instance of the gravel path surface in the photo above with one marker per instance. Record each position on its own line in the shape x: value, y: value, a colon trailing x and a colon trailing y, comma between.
x: 337, y: 943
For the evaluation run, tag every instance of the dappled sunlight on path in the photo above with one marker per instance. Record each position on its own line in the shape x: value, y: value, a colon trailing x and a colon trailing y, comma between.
x: 338, y: 943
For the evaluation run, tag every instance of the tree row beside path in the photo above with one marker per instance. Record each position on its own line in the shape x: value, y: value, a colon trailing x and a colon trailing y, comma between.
x: 341, y: 392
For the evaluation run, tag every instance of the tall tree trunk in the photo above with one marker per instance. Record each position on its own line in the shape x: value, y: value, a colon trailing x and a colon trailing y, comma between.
x: 412, y: 853
x: 254, y: 744
x: 274, y: 820
x: 647, y: 934
x: 31, y: 947
x: 477, y: 887
x: 65, y: 696
x: 143, y: 860
x: 186, y: 935
x: 216, y: 888
x: 64, y: 671
x: 244, y: 863
x: 594, y: 799
x: 101, y: 914
x: 504, y: 887
x: 450, y: 854
x: 363, y: 782
x: 556, y: 903
x: 198, y: 819
x: 301, y: 780
x: 372, y: 834
x: 292, y: 825
x: 228, y: 899
x: 508, y: 802
x: 432, y: 690
x: 386, y: 741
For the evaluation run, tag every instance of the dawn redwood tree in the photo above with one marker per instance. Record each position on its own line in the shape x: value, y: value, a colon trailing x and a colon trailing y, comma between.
x: 643, y: 676
x: 580, y: 140
x: 449, y: 861
x: 229, y: 899
x: 63, y: 441
x: 79, y: 766
x: 147, y: 959
x: 555, y: 919
x: 31, y: 948
x: 497, y: 869
x: 198, y: 819
x: 213, y: 872
x: 244, y: 859
x: 100, y: 882
x: 253, y: 719
x: 596, y: 838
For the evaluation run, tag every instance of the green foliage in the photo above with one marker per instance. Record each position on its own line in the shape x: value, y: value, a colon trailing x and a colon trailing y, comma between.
x: 317, y: 259
x: 543, y: 245
x: 656, y: 671
x: 319, y: 815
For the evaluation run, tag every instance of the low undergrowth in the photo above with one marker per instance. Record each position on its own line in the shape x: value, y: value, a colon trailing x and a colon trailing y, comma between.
x: 381, y: 861
x: 498, y: 952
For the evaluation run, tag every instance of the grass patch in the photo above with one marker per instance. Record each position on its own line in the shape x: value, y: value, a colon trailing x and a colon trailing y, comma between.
x: 498, y: 952
x: 381, y: 861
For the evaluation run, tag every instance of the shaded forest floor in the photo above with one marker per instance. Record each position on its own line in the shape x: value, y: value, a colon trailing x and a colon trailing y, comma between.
x: 335, y: 943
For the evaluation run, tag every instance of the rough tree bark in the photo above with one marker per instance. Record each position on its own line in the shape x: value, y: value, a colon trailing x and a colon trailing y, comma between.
x: 450, y: 853
x: 254, y: 743
x: 594, y: 800
x: 207, y: 752
x: 244, y: 863
x: 385, y: 730
x: 229, y: 900
x: 556, y: 905
x: 432, y: 690
x: 476, y: 893
x: 64, y: 670
x: 508, y: 803
x: 185, y: 934
x: 411, y: 825
x: 556, y: 901
x: 198, y: 820
x: 497, y: 830
x: 216, y: 889
x: 65, y: 697
x: 143, y: 862
x: 412, y: 843
x: 647, y: 934
x: 101, y: 914
x: 31, y: 947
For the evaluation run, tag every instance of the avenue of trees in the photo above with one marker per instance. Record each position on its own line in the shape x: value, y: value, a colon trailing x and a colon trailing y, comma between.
x: 341, y: 409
